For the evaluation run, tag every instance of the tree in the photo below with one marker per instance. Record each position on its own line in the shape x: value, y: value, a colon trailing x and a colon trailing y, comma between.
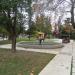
x: 10, y: 11
x: 29, y: 11
x: 43, y: 24
x: 72, y: 12
x: 32, y: 30
x: 70, y: 4
x: 3, y: 33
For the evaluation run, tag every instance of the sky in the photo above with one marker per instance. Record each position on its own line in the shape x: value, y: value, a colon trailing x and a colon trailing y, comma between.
x: 61, y: 11
x: 55, y: 16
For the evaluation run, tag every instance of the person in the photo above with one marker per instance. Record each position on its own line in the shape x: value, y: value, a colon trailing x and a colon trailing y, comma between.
x: 43, y: 37
x: 40, y: 39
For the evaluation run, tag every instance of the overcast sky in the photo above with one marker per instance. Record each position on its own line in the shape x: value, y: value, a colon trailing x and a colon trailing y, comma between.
x: 64, y: 8
x: 61, y: 11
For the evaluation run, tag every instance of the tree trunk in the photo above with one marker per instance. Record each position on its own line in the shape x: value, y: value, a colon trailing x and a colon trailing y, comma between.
x: 29, y: 37
x: 13, y: 43
x: 14, y: 30
x: 72, y: 14
x: 30, y: 18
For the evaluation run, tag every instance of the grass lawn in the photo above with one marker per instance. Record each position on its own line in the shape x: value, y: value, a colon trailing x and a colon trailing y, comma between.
x: 17, y: 40
x: 22, y: 62
x: 25, y: 39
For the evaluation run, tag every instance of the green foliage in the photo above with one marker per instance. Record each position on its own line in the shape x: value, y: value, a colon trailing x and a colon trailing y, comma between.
x: 72, y: 35
x: 63, y: 31
x: 11, y: 15
x: 43, y: 24
x: 11, y: 18
x: 29, y: 11
x: 32, y: 29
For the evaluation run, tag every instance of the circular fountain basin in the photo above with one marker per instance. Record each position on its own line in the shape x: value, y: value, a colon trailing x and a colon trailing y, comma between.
x: 36, y: 45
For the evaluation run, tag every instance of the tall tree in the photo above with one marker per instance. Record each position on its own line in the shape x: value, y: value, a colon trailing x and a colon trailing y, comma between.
x: 9, y: 17
x: 43, y: 24
x: 29, y: 11
x: 70, y: 4
x: 72, y: 12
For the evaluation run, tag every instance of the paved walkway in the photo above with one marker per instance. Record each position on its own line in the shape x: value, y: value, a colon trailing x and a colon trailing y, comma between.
x: 61, y: 64
x: 73, y: 61
x: 52, y: 51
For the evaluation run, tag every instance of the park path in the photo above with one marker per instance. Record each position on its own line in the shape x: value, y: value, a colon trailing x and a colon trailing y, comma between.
x: 52, y: 51
x: 61, y: 63
x: 73, y: 60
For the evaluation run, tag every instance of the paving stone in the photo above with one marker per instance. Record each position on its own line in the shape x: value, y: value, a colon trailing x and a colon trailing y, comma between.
x: 73, y: 64
x: 52, y: 51
x: 61, y: 64
x: 73, y: 70
x: 73, y: 73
